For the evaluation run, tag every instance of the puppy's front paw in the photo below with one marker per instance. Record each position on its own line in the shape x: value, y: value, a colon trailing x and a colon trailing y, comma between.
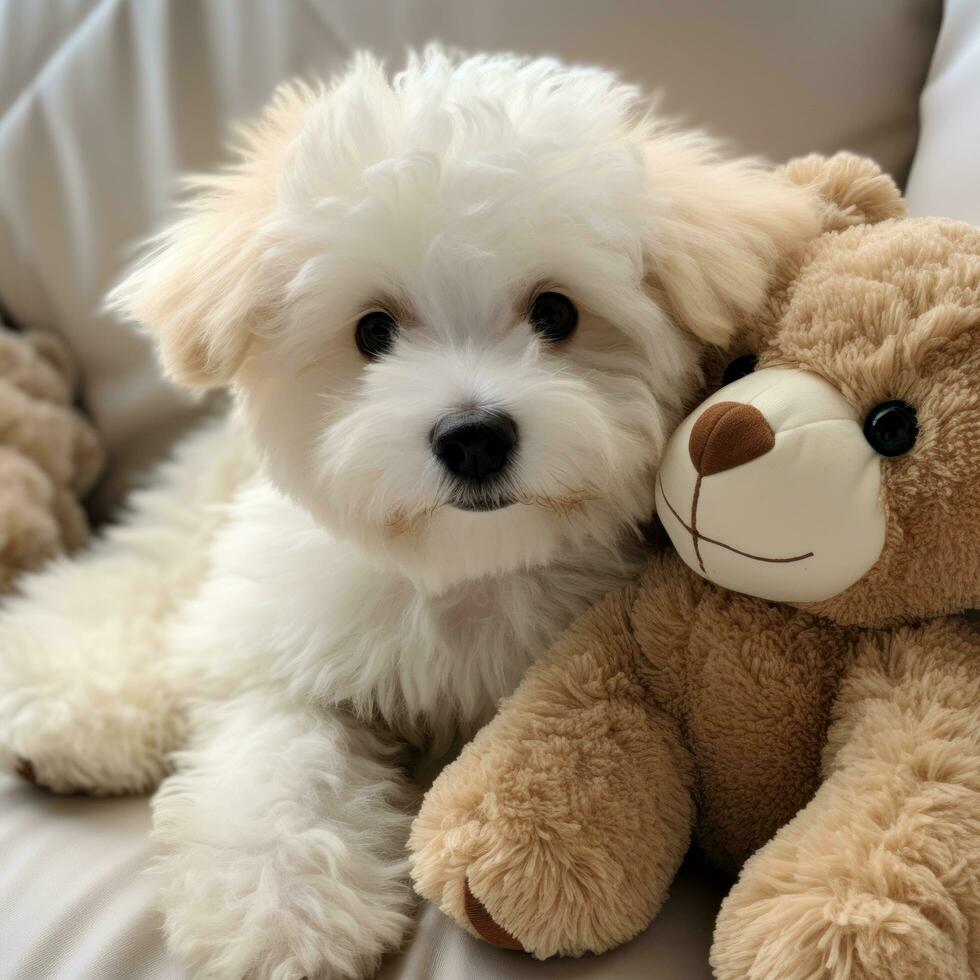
x: 85, y: 707
x: 310, y: 905
x: 227, y: 918
x: 85, y: 738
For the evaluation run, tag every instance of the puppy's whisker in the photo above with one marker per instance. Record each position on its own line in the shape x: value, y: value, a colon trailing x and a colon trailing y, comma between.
x: 563, y: 506
x: 400, y: 522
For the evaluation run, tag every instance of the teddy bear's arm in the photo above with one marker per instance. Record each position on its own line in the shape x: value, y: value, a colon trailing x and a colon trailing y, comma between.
x: 562, y: 824
x: 879, y: 876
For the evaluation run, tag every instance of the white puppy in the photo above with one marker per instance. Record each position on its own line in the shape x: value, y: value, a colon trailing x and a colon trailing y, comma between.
x: 460, y: 311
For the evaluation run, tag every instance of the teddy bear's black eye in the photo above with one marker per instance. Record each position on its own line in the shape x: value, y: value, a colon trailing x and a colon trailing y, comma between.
x: 891, y: 428
x: 375, y: 334
x: 739, y: 368
x: 553, y: 316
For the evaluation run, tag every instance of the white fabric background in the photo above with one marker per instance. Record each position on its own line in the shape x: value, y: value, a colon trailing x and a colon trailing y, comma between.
x: 945, y: 179
x: 102, y: 102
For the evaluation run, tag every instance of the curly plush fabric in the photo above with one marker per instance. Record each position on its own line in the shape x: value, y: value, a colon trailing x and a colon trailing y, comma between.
x: 50, y: 455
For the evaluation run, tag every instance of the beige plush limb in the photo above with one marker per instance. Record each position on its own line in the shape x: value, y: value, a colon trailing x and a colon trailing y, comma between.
x: 562, y: 824
x: 50, y: 455
x: 877, y: 878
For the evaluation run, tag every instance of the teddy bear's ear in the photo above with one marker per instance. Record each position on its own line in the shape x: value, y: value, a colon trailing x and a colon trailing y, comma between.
x: 853, y: 189
x: 201, y: 289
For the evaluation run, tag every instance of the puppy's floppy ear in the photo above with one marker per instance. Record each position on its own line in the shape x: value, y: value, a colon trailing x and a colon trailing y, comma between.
x: 200, y: 289
x: 720, y: 230
x: 852, y: 190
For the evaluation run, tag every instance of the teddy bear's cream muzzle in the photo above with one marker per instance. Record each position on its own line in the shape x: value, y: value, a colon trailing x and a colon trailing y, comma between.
x: 771, y: 489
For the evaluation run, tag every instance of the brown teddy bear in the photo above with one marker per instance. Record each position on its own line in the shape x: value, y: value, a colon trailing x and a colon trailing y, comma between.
x: 818, y: 728
x: 49, y: 454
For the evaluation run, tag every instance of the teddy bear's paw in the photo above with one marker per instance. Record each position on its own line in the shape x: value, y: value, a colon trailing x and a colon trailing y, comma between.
x: 832, y: 933
x: 485, y: 924
x: 531, y: 888
x: 562, y: 850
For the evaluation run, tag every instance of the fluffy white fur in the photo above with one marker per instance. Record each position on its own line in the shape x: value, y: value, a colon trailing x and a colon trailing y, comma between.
x: 286, y: 627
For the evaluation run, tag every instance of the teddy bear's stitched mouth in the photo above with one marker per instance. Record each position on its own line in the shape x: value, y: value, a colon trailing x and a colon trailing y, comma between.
x: 697, y: 536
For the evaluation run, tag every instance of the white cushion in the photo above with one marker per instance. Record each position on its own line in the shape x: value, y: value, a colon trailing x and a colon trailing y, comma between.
x: 103, y: 102
x: 945, y: 178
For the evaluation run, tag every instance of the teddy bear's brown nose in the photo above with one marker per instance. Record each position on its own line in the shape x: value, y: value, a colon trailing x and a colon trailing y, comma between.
x: 727, y: 435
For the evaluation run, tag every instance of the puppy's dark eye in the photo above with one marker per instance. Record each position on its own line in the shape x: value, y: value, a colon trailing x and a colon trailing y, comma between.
x: 554, y: 316
x: 739, y: 368
x: 375, y: 334
x: 891, y: 428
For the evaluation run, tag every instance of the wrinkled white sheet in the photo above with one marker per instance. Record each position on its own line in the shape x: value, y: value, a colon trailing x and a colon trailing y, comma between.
x: 76, y: 903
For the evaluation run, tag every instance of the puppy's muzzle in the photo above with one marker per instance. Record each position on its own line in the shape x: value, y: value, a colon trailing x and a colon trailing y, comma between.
x: 476, y: 447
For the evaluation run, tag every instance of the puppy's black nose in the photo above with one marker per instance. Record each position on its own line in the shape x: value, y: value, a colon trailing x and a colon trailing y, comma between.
x: 474, y: 444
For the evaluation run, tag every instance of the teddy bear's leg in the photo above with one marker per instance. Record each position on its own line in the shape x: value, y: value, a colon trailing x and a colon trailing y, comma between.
x: 283, y: 836
x: 87, y: 697
x: 878, y: 878
x: 561, y: 826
